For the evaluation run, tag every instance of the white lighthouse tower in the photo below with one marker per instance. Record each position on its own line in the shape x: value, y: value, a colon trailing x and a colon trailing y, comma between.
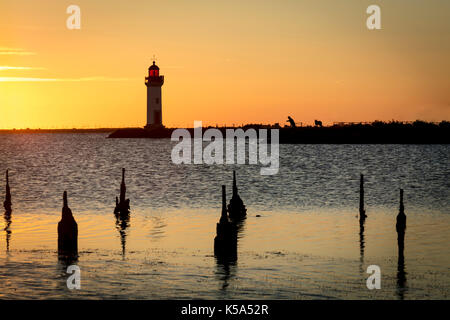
x: 154, y: 83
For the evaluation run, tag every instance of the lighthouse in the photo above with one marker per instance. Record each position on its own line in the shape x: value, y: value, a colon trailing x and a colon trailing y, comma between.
x: 154, y: 83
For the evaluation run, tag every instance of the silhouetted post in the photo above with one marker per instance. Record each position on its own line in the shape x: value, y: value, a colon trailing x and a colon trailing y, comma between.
x: 123, y: 187
x: 401, y: 228
x: 225, y: 242
x: 123, y: 205
x: 362, y: 219
x: 401, y: 217
x: 236, y: 208
x: 362, y: 211
x: 67, y: 231
x: 235, y: 189
x: 401, y: 224
x: 223, y: 215
x: 7, y: 203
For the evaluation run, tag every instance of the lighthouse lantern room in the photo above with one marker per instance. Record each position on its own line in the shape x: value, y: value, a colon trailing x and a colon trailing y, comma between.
x: 154, y: 83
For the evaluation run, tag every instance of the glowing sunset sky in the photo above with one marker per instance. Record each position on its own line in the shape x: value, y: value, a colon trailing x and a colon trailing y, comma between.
x: 224, y: 62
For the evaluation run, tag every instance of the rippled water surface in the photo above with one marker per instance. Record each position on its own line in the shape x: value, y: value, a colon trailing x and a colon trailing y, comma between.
x: 306, y: 244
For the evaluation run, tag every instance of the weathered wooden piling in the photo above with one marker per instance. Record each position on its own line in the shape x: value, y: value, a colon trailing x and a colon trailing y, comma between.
x: 362, y: 210
x: 7, y: 203
x: 401, y: 229
x: 401, y: 217
x: 225, y: 242
x: 67, y: 231
x: 122, y: 204
x: 7, y: 229
x: 236, y: 207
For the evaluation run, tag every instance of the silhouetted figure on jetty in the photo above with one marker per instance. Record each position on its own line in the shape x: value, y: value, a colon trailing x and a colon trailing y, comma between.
x: 291, y: 122
x: 67, y: 232
x: 236, y: 207
x: 7, y: 203
x: 401, y: 229
x: 225, y: 242
x: 318, y: 123
x: 122, y: 204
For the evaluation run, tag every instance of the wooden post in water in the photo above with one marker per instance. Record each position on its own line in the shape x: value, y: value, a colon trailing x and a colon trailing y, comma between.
x: 362, y: 210
x: 7, y: 203
x: 225, y: 242
x: 122, y: 204
x: 67, y: 231
x: 236, y: 207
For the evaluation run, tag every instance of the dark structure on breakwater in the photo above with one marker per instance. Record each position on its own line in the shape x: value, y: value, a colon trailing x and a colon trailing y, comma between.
x: 67, y: 232
x: 225, y: 242
x: 377, y: 132
x: 122, y: 204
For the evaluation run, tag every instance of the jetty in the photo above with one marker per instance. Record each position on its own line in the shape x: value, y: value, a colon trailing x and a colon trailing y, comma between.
x: 377, y: 132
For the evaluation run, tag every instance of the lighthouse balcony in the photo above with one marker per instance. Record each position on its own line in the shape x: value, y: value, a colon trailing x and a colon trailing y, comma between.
x: 154, y: 81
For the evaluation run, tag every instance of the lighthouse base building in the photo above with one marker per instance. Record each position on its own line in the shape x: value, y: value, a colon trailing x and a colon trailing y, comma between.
x: 154, y: 83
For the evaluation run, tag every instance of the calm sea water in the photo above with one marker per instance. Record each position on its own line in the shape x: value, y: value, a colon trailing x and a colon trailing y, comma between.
x: 306, y: 244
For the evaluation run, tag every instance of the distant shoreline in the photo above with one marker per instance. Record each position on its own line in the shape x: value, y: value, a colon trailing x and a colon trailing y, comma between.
x: 74, y: 130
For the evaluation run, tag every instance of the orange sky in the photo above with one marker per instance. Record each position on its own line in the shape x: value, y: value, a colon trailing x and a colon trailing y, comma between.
x: 224, y: 62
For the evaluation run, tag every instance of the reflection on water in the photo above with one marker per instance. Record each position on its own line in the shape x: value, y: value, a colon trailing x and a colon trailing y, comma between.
x: 401, y: 229
x: 228, y: 232
x: 227, y: 267
x: 122, y: 213
x: 226, y: 270
x: 303, y: 245
x: 7, y: 228
x: 401, y: 273
x: 362, y: 220
x: 7, y: 204
x: 122, y: 223
x: 282, y: 255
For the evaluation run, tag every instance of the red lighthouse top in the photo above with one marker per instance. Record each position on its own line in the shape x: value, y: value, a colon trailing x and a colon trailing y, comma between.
x: 153, y: 70
x: 154, y: 79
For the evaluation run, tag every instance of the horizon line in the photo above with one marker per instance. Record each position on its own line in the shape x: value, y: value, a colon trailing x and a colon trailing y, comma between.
x: 224, y: 125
